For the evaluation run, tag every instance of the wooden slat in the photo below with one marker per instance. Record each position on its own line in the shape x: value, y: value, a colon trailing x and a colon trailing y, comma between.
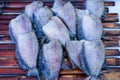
x: 112, y: 38
x: 107, y: 33
x: 110, y: 19
x: 11, y: 16
x: 9, y: 61
x: 112, y: 76
x: 12, y: 71
x: 9, y: 78
x: 11, y: 53
x: 5, y: 37
x: 112, y: 15
x: 111, y: 61
x: 112, y: 33
x: 7, y: 53
x: 19, y: 10
x: 7, y: 46
x: 111, y: 43
x: 105, y: 25
x: 111, y: 25
x: 112, y: 52
x: 103, y: 20
x: 4, y: 26
x: 23, y: 4
x: 11, y: 46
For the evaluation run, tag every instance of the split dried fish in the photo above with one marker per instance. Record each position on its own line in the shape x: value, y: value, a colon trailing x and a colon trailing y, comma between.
x: 91, y: 28
x: 32, y: 7
x: 20, y: 25
x: 68, y: 15
x: 95, y: 7
x: 52, y: 60
x: 57, y: 30
x: 27, y: 52
x: 41, y: 17
x: 92, y: 58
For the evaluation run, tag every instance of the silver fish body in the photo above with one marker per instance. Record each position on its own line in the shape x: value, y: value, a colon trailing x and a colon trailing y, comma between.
x: 68, y: 15
x: 95, y: 7
x: 52, y: 60
x: 57, y: 30
x: 91, y: 28
x: 32, y: 7
x: 74, y: 49
x: 80, y: 14
x: 57, y: 6
x: 92, y: 58
x: 27, y: 52
x: 41, y: 17
x: 20, y: 25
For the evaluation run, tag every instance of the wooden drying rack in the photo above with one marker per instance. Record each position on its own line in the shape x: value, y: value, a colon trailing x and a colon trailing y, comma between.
x: 9, y: 68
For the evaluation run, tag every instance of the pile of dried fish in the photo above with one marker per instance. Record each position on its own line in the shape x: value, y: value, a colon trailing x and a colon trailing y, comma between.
x: 60, y: 29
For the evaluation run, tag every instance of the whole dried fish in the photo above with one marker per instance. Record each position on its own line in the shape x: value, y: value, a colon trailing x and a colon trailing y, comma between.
x: 27, y: 52
x: 41, y: 17
x: 80, y: 14
x: 52, y: 60
x: 95, y: 7
x: 57, y: 6
x: 57, y: 30
x: 68, y: 15
x: 32, y: 7
x: 20, y: 25
x: 92, y: 58
x: 91, y: 28
x: 73, y: 49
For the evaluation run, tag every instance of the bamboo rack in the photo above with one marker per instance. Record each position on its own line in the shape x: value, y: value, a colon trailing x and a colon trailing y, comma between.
x: 9, y: 67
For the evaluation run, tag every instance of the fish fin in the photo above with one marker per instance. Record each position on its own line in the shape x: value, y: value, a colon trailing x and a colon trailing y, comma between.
x: 73, y: 65
x: 100, y: 75
x: 20, y: 60
x: 65, y: 66
x: 33, y: 72
x: 104, y: 36
x: 45, y: 70
x: 104, y: 14
x: 90, y: 78
x: 105, y: 66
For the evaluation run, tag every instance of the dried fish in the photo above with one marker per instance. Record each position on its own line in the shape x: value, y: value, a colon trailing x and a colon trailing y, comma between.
x: 68, y: 15
x: 27, y: 52
x: 41, y: 17
x: 95, y: 7
x: 20, y: 25
x: 92, y: 58
x: 91, y: 28
x: 57, y: 30
x: 52, y: 60
x: 32, y: 7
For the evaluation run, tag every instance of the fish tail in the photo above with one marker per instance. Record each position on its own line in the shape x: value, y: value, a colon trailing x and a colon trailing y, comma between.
x: 33, y: 72
x: 91, y: 78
